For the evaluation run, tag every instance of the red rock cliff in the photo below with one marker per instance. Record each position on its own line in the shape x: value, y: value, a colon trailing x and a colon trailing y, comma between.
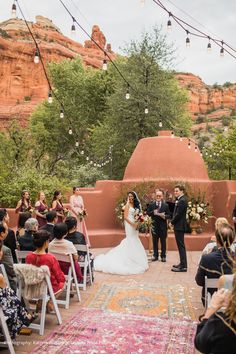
x: 23, y: 84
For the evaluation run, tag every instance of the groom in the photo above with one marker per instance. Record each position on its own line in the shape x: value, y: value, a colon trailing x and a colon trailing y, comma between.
x: 159, y: 212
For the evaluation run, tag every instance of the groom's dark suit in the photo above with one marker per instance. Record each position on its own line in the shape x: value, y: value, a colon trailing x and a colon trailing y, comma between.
x: 159, y: 230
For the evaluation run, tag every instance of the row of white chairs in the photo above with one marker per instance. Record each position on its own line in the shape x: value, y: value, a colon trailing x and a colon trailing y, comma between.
x: 71, y: 286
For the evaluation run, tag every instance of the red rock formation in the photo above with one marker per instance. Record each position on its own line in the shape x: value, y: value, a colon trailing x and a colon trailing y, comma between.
x: 23, y: 84
x: 204, y: 98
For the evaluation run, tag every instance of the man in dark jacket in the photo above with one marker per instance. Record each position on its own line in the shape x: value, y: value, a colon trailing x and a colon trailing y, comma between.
x: 180, y: 224
x: 218, y: 262
x: 10, y: 240
x: 159, y: 212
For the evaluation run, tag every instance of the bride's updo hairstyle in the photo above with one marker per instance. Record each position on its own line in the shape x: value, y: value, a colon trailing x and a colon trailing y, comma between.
x: 137, y: 204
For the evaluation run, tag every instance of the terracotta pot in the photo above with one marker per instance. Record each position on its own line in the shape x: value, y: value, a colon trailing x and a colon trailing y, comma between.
x: 194, y: 224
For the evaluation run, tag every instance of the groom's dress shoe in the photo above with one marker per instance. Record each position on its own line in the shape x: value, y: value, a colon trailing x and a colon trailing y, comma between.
x: 178, y: 270
x: 163, y: 259
x: 176, y: 266
x: 154, y: 259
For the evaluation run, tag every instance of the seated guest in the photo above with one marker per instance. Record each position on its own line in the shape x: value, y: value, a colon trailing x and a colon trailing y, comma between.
x: 26, y: 241
x: 6, y: 257
x: 23, y: 217
x: 73, y: 235
x: 10, y: 240
x: 51, y: 218
x: 216, y: 333
x: 62, y: 246
x: 219, y: 262
x: 16, y: 315
x: 40, y: 257
x: 212, y: 244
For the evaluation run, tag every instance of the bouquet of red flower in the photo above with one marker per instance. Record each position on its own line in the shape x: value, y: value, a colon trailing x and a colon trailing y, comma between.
x: 144, y: 222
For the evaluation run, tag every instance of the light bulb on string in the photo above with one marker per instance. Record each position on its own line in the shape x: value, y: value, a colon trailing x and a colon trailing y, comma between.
x: 13, y: 10
x: 169, y: 25
x: 104, y: 65
x: 206, y: 153
x: 50, y: 96
x: 94, y: 164
x: 222, y: 49
x: 36, y: 56
x: 73, y: 31
x: 70, y: 131
x: 61, y: 113
x: 82, y: 152
x: 172, y: 134
x: 195, y: 149
x: 160, y: 123
x: 87, y: 158
x: 146, y: 107
x: 209, y: 45
x: 189, y: 144
x: 91, y: 162
x: 181, y: 135
x: 187, y: 39
x: 127, y: 95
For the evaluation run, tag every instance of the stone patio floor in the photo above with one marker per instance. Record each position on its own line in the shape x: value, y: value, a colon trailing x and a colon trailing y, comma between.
x: 159, y: 273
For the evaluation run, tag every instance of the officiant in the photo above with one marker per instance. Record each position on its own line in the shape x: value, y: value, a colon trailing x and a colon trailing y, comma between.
x: 160, y: 213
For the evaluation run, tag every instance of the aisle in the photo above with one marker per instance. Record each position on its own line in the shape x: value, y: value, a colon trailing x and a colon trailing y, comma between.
x: 156, y: 310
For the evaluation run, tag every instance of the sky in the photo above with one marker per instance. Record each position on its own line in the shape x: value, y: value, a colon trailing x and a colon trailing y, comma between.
x: 125, y: 20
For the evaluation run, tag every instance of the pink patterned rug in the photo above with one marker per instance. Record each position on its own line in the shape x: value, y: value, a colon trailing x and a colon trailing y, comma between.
x: 93, y: 331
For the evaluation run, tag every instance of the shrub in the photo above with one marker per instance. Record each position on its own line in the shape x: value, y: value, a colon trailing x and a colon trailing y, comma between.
x: 27, y: 98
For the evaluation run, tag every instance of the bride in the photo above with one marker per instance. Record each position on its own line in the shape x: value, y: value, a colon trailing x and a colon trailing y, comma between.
x: 129, y: 257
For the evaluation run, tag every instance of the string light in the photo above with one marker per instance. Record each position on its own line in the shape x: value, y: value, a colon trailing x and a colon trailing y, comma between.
x: 195, y: 149
x: 187, y: 39
x: 77, y: 143
x: 70, y: 131
x: 189, y: 144
x: 209, y: 45
x: 87, y: 158
x: 127, y: 96
x: 169, y: 25
x: 181, y: 135
x: 146, y: 107
x: 50, y: 97
x: 62, y: 113
x: 13, y: 10
x: 104, y: 65
x: 82, y: 152
x: 36, y: 56
x: 222, y: 49
x: 172, y: 134
x: 73, y: 30
x: 160, y: 123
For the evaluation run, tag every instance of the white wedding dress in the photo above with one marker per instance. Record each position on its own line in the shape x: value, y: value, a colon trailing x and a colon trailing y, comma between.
x: 129, y: 257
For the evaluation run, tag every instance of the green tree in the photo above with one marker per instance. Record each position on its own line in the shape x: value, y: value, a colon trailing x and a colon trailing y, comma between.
x: 221, y: 156
x: 152, y: 85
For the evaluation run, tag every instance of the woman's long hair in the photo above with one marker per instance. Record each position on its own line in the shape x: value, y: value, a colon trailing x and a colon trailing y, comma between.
x: 55, y: 195
x: 137, y: 204
x: 231, y: 308
x: 23, y: 198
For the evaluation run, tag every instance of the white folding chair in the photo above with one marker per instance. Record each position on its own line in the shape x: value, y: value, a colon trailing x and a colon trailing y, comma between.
x: 21, y: 255
x: 4, y: 273
x: 71, y: 278
x: 47, y: 295
x: 210, y: 283
x: 5, y: 331
x: 86, y: 264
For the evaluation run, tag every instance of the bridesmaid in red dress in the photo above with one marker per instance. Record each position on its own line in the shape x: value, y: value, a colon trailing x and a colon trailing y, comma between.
x: 41, y: 209
x: 58, y: 206
x: 77, y: 209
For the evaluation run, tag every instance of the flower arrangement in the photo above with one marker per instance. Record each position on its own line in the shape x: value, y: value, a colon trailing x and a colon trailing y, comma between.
x: 198, y: 210
x: 82, y: 215
x: 144, y: 222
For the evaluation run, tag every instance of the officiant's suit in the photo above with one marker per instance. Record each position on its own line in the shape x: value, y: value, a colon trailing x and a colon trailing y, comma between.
x: 159, y: 226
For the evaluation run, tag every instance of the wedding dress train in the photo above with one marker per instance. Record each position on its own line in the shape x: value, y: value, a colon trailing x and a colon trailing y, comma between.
x: 129, y: 257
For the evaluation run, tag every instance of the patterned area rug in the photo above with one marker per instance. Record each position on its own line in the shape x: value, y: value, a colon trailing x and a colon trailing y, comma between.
x: 144, y: 299
x: 93, y: 331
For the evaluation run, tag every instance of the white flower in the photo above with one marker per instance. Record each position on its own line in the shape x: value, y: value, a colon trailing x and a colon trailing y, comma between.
x: 199, y: 210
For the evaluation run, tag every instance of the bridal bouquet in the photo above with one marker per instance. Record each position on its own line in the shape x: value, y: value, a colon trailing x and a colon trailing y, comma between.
x: 82, y: 215
x: 144, y: 222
